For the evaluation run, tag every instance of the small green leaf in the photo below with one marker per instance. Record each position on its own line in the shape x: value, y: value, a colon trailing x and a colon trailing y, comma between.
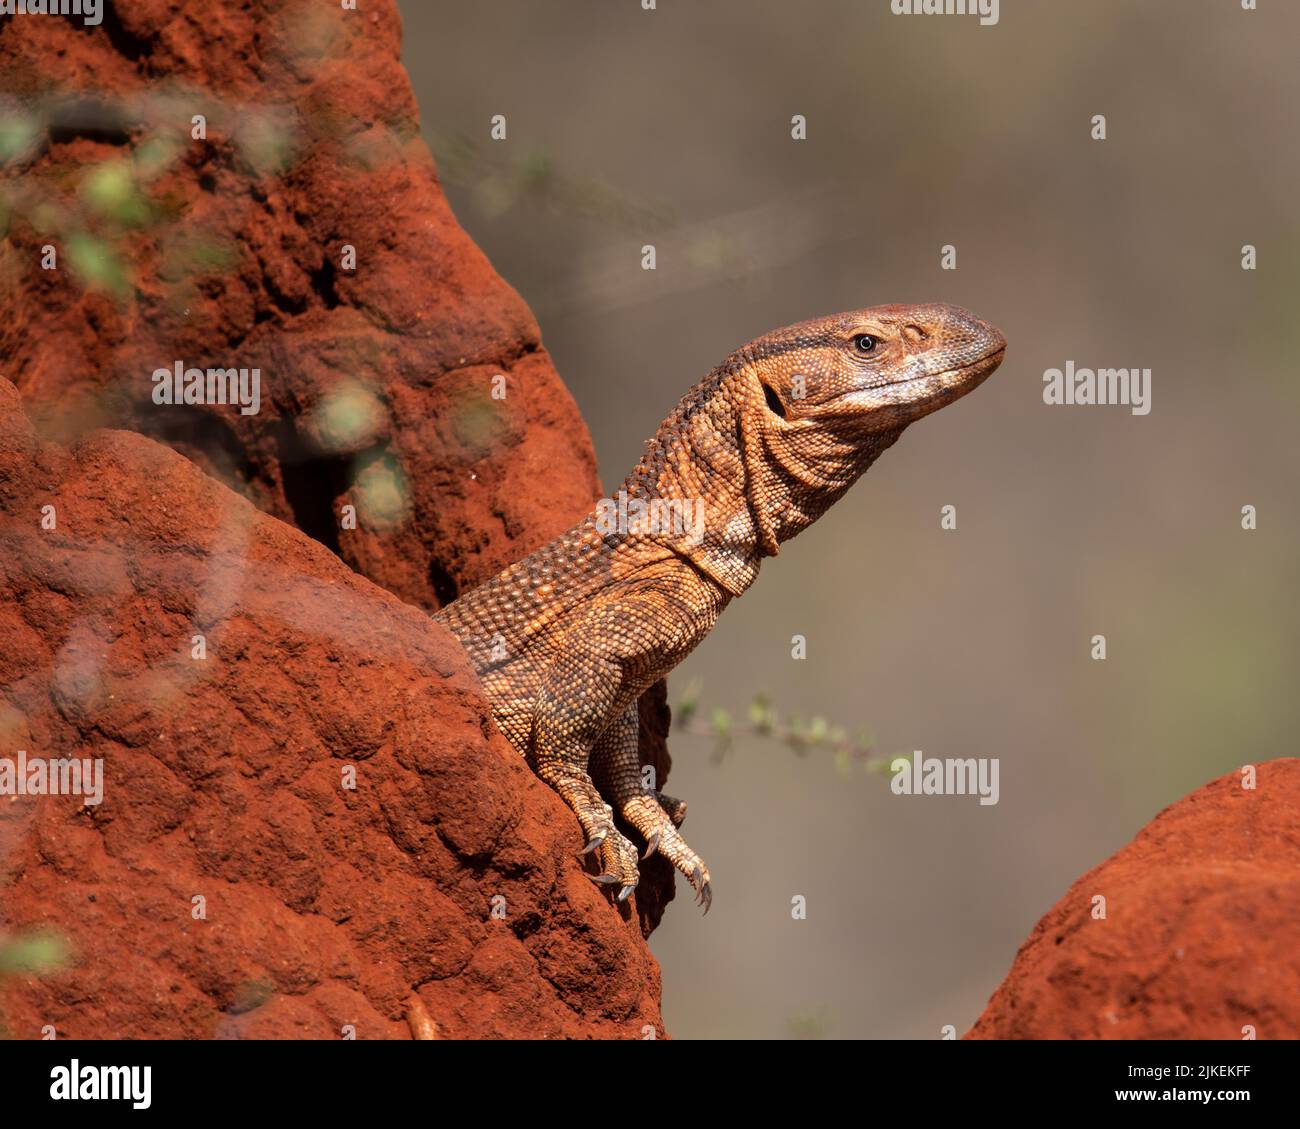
x: 379, y: 486
x: 17, y: 132
x: 689, y: 703
x: 33, y: 953
x: 761, y: 714
x: 111, y: 190
x: 535, y: 169
x: 98, y: 265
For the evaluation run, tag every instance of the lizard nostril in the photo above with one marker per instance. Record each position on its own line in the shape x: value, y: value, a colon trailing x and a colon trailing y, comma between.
x: 915, y: 333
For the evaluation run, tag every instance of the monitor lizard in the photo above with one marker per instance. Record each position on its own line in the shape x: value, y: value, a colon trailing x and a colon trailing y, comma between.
x: 565, y: 640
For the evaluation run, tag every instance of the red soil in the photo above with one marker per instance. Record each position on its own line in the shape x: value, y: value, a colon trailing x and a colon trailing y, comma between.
x: 1201, y: 938
x: 224, y: 776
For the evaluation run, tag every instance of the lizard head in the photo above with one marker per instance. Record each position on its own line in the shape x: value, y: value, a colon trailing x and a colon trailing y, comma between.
x: 822, y: 399
x: 779, y: 431
x: 870, y: 371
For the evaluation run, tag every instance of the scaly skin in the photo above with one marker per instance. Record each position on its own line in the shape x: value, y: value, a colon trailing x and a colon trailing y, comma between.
x: 568, y: 638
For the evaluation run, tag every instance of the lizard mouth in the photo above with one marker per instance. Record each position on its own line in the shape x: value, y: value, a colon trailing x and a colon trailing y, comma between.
x: 980, y: 367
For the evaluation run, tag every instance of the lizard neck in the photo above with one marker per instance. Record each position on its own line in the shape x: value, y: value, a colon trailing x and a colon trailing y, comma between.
x: 742, y: 480
x: 695, y: 462
x: 796, y: 473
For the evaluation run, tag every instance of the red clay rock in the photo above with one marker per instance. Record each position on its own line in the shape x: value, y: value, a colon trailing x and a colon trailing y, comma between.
x: 377, y: 380
x: 1202, y: 931
x: 224, y: 779
x: 225, y: 251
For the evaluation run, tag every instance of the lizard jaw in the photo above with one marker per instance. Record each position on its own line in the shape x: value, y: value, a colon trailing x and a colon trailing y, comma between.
x: 899, y: 402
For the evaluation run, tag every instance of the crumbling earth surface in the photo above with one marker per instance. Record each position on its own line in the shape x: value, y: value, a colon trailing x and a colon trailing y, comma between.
x: 308, y: 824
x: 1201, y: 933
x: 304, y: 234
x: 250, y: 190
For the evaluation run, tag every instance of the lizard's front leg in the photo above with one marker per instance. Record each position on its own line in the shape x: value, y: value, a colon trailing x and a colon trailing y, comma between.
x: 571, y: 714
x: 616, y: 765
x: 586, y: 709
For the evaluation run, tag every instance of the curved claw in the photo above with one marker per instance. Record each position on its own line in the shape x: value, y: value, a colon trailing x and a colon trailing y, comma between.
x: 596, y: 842
x: 703, y: 891
x: 651, y: 846
x: 626, y: 892
x: 603, y: 879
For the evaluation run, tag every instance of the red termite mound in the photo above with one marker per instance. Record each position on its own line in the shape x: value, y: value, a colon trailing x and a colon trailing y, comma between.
x: 250, y: 190
x: 303, y: 234
x: 307, y: 821
x: 1201, y: 934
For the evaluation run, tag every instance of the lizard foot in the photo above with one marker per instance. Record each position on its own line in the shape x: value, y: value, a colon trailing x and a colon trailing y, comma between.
x: 657, y: 823
x: 614, y: 851
x: 618, y: 861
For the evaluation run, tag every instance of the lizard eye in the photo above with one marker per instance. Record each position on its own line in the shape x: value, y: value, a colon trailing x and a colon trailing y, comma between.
x: 865, y: 343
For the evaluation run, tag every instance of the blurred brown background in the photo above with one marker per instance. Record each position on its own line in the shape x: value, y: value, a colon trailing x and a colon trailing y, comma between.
x: 672, y: 127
